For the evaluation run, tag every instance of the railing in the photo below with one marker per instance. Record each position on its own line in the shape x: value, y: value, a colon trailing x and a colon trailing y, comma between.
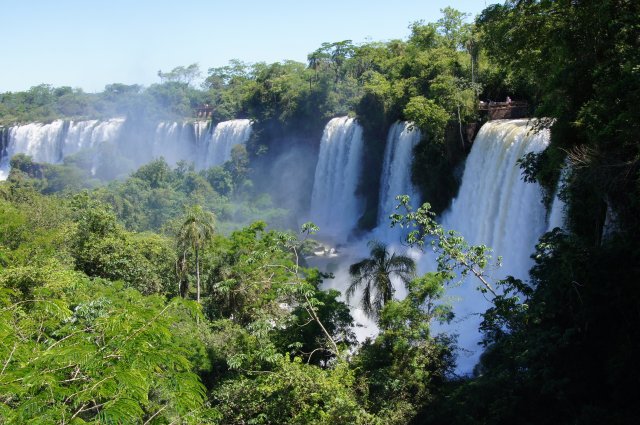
x: 205, y: 111
x: 486, y: 106
x: 504, y: 110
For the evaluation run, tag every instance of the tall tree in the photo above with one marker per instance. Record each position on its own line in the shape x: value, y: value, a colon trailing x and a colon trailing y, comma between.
x: 374, y: 274
x: 195, y: 232
x: 181, y: 74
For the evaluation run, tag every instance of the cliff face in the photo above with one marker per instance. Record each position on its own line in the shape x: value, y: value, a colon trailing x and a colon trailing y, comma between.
x: 504, y: 110
x: 458, y: 140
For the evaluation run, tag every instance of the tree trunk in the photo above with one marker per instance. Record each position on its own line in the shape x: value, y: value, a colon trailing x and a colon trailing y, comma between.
x: 198, y: 275
x: 473, y: 77
x: 183, y: 287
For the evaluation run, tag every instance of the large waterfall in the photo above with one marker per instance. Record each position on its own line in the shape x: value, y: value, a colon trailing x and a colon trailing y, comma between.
x: 396, y: 176
x: 190, y: 141
x: 43, y: 142
x: 53, y: 141
x: 495, y: 207
x: 335, y: 206
x: 224, y: 137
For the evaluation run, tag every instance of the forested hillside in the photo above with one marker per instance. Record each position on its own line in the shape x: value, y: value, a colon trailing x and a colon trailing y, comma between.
x: 174, y: 293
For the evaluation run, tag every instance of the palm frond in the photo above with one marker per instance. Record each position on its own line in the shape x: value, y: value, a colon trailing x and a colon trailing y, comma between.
x: 374, y: 275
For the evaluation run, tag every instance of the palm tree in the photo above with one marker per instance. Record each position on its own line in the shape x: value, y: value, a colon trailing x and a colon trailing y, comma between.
x: 374, y: 275
x: 195, y: 232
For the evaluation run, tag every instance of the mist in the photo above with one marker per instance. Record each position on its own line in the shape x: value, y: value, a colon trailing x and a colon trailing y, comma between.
x: 299, y: 172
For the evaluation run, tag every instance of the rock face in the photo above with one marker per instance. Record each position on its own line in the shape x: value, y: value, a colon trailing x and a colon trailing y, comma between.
x: 458, y: 140
x: 504, y: 110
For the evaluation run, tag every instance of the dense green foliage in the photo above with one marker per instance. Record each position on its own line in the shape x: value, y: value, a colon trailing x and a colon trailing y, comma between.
x: 156, y: 195
x: 568, y: 357
x: 373, y: 277
x: 174, y: 97
x: 561, y: 348
x: 82, y: 344
x: 99, y: 283
x: 98, y: 327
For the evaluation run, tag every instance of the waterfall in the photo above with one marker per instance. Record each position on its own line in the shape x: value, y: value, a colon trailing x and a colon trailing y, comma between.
x: 175, y: 141
x: 396, y: 176
x: 201, y: 130
x: 134, y: 145
x: 196, y: 141
x: 495, y: 207
x: 4, y: 153
x: 42, y: 142
x: 225, y: 135
x: 335, y: 207
x: 558, y: 213
x: 89, y: 134
x: 52, y: 142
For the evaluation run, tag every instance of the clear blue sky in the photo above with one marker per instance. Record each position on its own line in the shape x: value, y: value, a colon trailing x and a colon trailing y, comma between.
x: 89, y: 43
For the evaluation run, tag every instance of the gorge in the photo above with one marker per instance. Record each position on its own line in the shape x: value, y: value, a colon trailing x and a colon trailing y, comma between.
x: 494, y: 205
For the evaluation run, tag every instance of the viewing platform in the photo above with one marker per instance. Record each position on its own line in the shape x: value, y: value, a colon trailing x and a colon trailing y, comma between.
x: 504, y: 110
x: 205, y: 111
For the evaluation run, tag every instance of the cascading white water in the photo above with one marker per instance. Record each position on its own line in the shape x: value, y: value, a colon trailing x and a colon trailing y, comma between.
x: 223, y: 138
x: 88, y: 134
x: 189, y: 141
x: 558, y: 213
x: 42, y: 142
x: 396, y: 177
x: 178, y: 141
x: 335, y: 207
x: 201, y: 130
x: 495, y: 207
x: 52, y: 142
x: 197, y: 143
x: 4, y: 153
